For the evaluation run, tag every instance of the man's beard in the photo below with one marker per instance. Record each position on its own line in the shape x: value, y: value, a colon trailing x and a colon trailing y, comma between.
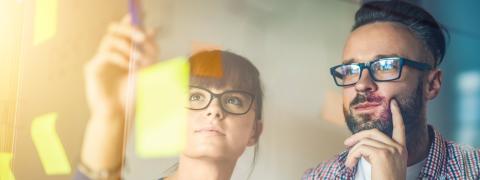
x: 411, y: 107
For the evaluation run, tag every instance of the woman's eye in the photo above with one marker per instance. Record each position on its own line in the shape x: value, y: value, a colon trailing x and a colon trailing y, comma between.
x: 195, y: 97
x: 234, y: 101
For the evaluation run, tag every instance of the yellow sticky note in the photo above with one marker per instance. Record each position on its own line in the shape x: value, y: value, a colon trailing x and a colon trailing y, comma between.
x: 162, y: 93
x: 46, y: 12
x: 5, y: 166
x: 48, y: 144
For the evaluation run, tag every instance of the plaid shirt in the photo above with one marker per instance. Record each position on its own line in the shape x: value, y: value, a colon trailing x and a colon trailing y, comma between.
x: 445, y: 160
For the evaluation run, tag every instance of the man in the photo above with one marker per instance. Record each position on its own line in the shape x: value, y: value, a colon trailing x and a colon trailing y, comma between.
x: 389, y: 73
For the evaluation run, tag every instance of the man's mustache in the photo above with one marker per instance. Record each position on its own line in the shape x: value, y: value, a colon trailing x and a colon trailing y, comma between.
x: 361, y: 98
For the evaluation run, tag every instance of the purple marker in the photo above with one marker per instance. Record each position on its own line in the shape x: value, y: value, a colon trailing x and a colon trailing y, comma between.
x: 134, y: 7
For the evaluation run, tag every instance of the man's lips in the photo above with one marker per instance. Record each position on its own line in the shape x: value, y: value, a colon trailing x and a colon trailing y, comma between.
x: 366, y: 106
x: 210, y: 130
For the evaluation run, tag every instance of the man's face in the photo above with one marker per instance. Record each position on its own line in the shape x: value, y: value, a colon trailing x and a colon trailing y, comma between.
x: 366, y: 103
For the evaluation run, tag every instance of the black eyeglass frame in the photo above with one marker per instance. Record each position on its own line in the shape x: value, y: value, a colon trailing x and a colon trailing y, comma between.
x: 367, y: 65
x: 218, y: 96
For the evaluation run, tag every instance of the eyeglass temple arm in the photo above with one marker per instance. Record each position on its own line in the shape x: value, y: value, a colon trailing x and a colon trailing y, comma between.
x: 421, y: 66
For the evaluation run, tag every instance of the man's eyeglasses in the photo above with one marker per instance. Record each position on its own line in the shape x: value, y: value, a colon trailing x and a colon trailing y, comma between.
x: 234, y: 102
x: 380, y: 70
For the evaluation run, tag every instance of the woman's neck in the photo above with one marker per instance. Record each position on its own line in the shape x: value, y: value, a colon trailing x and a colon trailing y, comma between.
x: 204, y: 169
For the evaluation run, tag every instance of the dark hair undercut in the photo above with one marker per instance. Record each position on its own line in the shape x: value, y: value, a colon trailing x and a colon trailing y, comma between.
x: 415, y: 18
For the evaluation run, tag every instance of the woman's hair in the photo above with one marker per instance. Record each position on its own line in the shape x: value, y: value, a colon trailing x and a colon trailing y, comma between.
x: 223, y: 69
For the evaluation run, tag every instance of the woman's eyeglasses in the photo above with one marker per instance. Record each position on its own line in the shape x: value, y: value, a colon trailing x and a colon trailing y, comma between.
x: 234, y: 102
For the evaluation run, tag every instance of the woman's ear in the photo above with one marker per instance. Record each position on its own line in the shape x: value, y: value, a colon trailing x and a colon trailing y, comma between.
x: 256, y: 132
x: 434, y: 83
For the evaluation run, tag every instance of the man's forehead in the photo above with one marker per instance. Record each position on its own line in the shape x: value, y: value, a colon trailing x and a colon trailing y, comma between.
x: 377, y: 40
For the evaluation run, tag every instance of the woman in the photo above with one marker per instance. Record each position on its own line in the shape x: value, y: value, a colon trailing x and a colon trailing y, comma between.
x: 224, y: 115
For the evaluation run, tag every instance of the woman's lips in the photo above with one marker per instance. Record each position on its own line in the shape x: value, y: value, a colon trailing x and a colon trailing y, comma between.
x: 210, y: 131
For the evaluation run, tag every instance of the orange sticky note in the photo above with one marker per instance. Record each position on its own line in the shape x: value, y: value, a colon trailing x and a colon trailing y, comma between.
x: 5, y: 166
x: 48, y: 145
x: 162, y: 93
x: 207, y: 64
x: 46, y: 12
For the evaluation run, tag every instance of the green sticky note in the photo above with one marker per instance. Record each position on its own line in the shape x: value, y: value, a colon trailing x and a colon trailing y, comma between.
x: 46, y: 12
x: 162, y: 92
x: 48, y: 145
x: 5, y: 166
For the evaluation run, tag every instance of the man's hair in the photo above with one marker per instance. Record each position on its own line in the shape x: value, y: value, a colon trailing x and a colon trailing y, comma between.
x: 416, y: 19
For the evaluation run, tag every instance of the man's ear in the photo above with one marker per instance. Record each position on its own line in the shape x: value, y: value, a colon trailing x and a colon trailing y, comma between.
x: 257, y: 131
x: 434, y: 83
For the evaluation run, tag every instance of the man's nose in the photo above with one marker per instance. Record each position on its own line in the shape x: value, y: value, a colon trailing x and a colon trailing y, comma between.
x: 366, y: 83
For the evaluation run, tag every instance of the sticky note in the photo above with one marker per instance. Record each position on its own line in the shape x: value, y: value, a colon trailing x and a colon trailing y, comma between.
x: 45, y: 24
x: 207, y: 64
x: 5, y: 166
x: 162, y: 93
x: 48, y: 145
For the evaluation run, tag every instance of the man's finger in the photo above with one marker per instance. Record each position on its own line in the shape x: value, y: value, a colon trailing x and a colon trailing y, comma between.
x: 372, y: 134
x: 398, y: 125
x: 373, y: 143
x: 363, y: 150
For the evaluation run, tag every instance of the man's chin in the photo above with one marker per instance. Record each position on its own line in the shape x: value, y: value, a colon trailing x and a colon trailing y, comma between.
x: 372, y: 124
x: 364, y: 126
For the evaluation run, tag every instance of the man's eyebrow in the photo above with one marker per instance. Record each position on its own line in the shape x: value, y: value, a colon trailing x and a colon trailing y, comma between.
x: 386, y: 56
x: 350, y: 61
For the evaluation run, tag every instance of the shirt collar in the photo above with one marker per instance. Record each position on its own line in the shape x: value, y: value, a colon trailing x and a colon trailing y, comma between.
x: 437, y: 155
x: 344, y: 170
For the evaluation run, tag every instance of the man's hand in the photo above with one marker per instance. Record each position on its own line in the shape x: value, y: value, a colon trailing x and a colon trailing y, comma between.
x: 388, y: 156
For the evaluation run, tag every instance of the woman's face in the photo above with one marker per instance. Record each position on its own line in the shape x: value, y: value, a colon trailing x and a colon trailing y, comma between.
x: 215, y: 133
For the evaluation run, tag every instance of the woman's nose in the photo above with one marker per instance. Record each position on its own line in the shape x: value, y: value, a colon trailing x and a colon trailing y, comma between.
x: 215, y: 109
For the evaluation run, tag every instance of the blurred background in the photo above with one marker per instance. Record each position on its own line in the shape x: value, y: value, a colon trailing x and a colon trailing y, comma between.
x: 293, y: 43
